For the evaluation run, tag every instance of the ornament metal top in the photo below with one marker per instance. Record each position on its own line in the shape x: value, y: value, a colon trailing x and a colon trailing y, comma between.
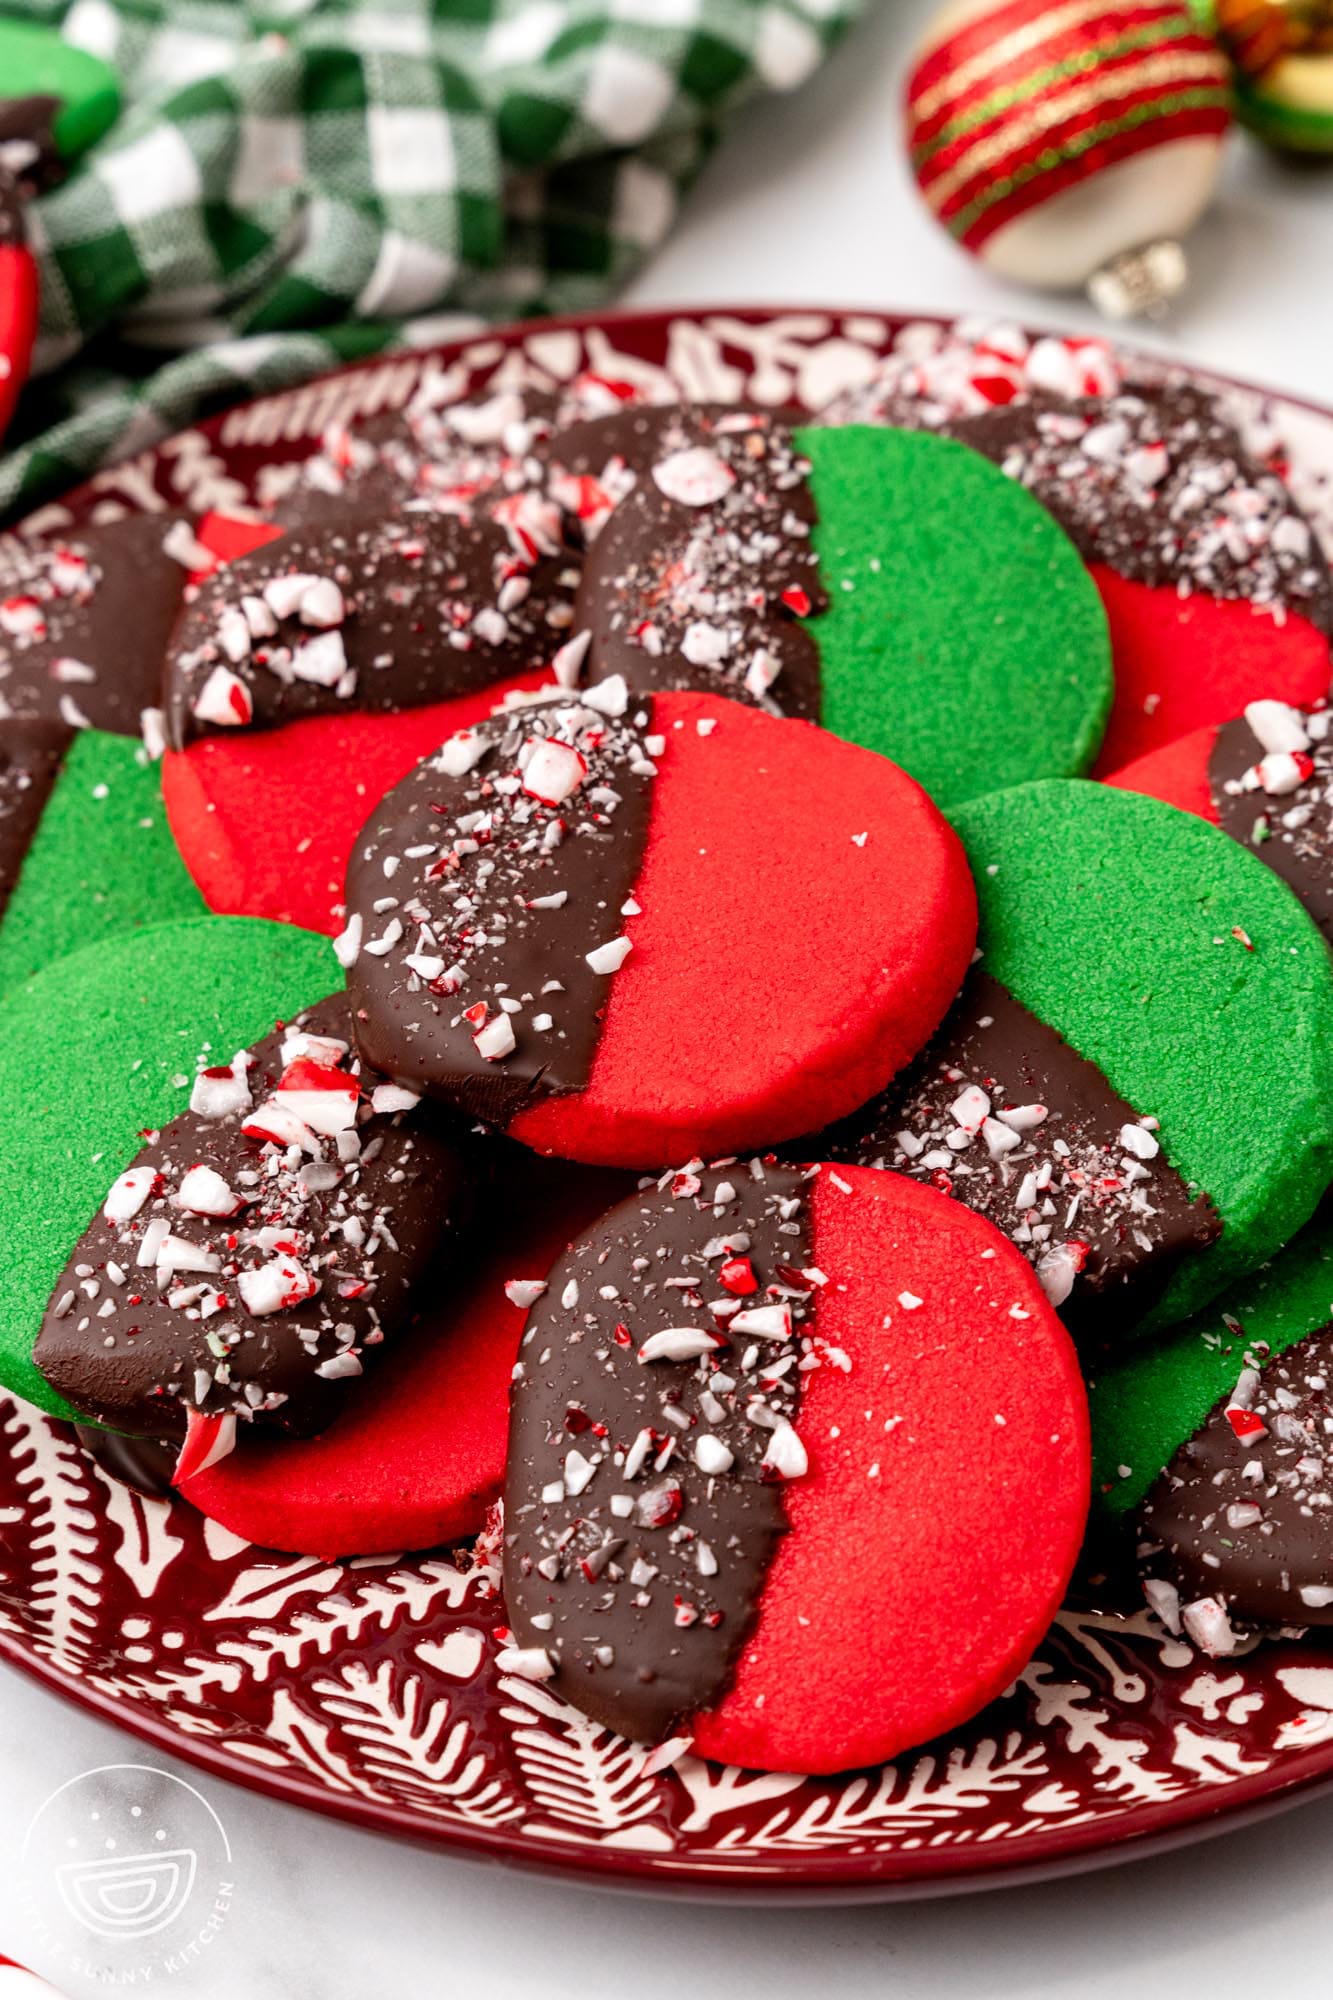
x: 1071, y: 143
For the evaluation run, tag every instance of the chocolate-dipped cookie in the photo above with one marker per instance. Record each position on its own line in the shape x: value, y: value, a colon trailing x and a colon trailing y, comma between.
x: 887, y: 584
x: 1214, y: 583
x: 1266, y: 778
x: 1133, y: 1083
x: 418, y: 1458
x: 312, y: 672
x: 1210, y: 1452
x: 772, y: 1427
x: 624, y: 929
x: 234, y: 1215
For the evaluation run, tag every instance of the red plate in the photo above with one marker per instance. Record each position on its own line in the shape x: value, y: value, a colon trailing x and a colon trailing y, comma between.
x: 370, y: 1690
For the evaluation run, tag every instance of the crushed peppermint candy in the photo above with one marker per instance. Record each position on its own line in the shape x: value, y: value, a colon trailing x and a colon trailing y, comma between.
x: 655, y: 1427
x: 506, y: 867
x: 261, y: 1243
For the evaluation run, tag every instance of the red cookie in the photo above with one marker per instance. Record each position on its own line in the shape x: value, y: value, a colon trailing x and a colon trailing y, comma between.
x: 630, y: 933
x: 1266, y: 778
x: 290, y: 710
x: 1214, y: 584
x: 798, y: 1467
x: 419, y: 1458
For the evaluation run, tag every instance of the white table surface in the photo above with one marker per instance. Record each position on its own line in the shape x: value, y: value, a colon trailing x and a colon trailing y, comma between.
x: 808, y: 202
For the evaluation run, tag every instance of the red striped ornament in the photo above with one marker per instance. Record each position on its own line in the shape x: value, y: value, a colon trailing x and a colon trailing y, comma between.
x: 1053, y: 137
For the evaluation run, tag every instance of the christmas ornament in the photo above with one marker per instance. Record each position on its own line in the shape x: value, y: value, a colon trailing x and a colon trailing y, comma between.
x: 1071, y: 142
x: 1283, y: 53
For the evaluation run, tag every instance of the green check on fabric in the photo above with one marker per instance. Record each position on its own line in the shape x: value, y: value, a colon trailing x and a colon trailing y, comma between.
x: 299, y: 183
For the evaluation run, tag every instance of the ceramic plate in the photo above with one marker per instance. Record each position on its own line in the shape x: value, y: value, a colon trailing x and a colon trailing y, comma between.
x: 370, y: 1690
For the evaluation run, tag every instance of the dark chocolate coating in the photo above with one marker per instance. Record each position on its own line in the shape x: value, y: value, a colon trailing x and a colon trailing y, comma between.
x: 28, y: 151
x: 1292, y: 832
x: 644, y: 1607
x: 146, y: 1464
x: 683, y: 579
x: 433, y: 605
x: 433, y: 456
x: 104, y: 597
x: 487, y: 851
x: 1249, y: 1519
x: 31, y: 754
x: 368, y: 1229
x: 1134, y: 1219
x: 1169, y: 494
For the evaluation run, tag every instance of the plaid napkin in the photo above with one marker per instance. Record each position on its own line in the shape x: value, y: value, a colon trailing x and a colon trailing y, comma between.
x: 295, y: 183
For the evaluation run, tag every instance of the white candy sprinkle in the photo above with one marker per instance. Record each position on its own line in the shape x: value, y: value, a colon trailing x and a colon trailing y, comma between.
x: 610, y: 957
x: 696, y: 477
x: 712, y: 1456
x: 763, y: 1322
x: 579, y: 1472
x: 678, y: 1343
x: 1206, y: 1623
x: 610, y: 697
x: 1139, y: 1142
x: 275, y: 1286
x: 322, y: 661
x: 1164, y: 1599
x: 390, y: 1097
x: 204, y: 1192
x: 1277, y: 725
x: 224, y: 701
x: 347, y: 944
x: 495, y: 1039
x: 457, y: 757
x: 553, y: 771
x: 524, y: 1292
x: 128, y: 1194
x: 529, y: 1663
x: 786, y: 1455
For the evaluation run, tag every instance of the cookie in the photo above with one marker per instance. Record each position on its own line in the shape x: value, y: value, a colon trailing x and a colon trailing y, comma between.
x: 1213, y: 1446
x: 1266, y: 778
x: 1134, y: 1082
x: 84, y: 847
x: 311, y: 673
x: 888, y: 584
x: 779, y: 1435
x: 629, y: 931
x: 420, y: 1457
x: 1215, y: 586
x: 235, y: 1216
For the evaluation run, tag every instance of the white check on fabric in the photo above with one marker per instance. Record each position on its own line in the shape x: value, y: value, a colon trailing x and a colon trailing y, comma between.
x: 291, y: 184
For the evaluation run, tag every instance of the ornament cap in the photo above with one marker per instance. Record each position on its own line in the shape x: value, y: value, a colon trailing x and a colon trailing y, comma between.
x: 1140, y: 282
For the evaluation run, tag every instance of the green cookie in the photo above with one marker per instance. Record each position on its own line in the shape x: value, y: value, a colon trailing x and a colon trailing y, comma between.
x: 1189, y: 974
x: 102, y: 860
x: 1145, y: 1405
x: 101, y: 1047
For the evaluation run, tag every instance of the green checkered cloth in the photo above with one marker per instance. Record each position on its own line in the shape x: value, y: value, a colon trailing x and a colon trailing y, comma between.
x: 299, y: 183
